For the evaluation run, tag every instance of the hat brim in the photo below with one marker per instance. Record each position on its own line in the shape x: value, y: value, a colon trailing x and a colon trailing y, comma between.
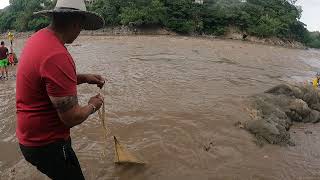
x: 92, y: 21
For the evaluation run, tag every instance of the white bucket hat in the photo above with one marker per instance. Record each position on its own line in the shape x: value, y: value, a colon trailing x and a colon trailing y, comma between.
x: 92, y: 20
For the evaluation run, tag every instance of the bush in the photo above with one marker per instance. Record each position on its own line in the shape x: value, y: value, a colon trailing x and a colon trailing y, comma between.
x: 181, y: 26
x: 183, y: 16
x: 266, y: 27
x: 38, y: 23
x: 151, y: 13
x: 314, y: 44
x: 314, y: 40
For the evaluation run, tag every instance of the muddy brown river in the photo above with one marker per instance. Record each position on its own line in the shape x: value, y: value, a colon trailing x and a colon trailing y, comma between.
x: 173, y: 102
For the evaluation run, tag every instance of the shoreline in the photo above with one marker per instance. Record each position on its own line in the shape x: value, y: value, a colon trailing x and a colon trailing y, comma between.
x: 231, y: 34
x: 127, y: 31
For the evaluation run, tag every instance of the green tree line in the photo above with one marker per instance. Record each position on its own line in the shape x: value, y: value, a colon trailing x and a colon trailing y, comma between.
x: 314, y: 40
x: 19, y: 15
x: 261, y: 18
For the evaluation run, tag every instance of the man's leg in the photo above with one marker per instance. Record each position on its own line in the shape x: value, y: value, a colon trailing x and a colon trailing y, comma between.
x: 57, y: 161
x: 73, y: 163
x: 1, y: 69
x: 6, y: 67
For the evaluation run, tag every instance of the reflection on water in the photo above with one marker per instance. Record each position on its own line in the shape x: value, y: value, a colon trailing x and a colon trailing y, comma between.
x: 173, y: 101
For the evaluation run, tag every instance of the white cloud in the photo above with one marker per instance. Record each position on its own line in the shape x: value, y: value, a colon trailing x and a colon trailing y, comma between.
x: 4, y: 3
x: 311, y: 11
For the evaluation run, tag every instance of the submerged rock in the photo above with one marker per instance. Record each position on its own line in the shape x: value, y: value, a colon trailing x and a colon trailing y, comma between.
x: 278, y: 107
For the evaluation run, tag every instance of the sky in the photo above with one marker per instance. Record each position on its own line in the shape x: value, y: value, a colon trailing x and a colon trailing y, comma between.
x: 310, y: 14
x: 4, y: 3
x: 311, y: 11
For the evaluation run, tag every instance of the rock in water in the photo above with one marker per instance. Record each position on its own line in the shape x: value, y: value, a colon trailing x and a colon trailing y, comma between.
x: 298, y: 110
x: 281, y: 89
x: 278, y: 107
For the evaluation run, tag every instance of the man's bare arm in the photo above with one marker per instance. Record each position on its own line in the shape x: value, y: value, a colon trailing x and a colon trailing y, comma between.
x: 81, y: 78
x: 71, y: 113
x: 90, y: 79
x: 65, y: 103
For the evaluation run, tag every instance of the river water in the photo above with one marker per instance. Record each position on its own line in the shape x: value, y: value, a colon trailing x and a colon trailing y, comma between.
x: 173, y: 102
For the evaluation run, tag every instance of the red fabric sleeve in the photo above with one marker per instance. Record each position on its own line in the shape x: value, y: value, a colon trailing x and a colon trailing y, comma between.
x: 59, y: 75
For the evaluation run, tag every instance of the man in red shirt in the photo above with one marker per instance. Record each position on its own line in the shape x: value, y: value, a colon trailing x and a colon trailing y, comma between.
x: 46, y: 97
x: 3, y: 61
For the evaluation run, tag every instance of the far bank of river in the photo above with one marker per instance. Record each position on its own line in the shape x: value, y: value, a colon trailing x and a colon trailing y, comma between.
x: 231, y: 34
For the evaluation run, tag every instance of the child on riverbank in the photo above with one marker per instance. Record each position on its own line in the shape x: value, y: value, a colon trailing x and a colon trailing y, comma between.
x: 12, y: 57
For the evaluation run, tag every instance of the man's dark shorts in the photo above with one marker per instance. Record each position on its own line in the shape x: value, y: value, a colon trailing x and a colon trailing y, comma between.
x: 57, y: 160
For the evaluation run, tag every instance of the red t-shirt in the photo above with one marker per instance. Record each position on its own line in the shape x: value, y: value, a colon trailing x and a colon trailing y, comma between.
x: 45, y: 69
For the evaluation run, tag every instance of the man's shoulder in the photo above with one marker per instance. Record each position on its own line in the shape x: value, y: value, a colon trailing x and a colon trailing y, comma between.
x: 39, y: 34
x: 43, y: 37
x: 45, y: 42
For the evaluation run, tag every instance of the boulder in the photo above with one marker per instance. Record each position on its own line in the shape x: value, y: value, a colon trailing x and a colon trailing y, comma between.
x: 313, y: 117
x: 277, y: 108
x: 269, y: 131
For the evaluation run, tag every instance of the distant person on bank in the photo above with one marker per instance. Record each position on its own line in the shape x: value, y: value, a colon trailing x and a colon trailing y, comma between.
x: 4, y: 63
x: 12, y: 56
x: 11, y: 37
x: 46, y: 98
x: 315, y: 81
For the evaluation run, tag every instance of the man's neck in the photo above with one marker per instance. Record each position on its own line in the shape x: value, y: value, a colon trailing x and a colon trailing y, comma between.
x: 59, y: 35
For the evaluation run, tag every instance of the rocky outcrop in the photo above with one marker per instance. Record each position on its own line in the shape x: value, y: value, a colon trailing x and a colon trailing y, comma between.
x: 274, y: 111
x: 126, y: 30
x: 236, y: 34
